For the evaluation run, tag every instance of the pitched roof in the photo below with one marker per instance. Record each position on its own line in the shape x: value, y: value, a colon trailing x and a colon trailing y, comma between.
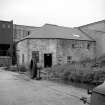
x: 54, y: 31
x: 93, y: 23
x: 96, y: 26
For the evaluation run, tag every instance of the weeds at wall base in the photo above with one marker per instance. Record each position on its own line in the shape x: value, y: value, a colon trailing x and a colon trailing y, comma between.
x: 86, y: 75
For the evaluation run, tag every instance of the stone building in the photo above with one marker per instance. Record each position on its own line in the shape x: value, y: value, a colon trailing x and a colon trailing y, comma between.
x: 19, y: 32
x: 96, y: 31
x: 55, y: 45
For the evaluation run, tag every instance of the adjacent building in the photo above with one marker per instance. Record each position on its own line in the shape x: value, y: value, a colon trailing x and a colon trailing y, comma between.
x: 96, y: 31
x: 55, y: 45
x: 21, y: 31
x: 6, y: 42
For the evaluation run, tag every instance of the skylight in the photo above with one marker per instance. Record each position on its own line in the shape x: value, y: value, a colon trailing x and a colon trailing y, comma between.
x: 76, y: 35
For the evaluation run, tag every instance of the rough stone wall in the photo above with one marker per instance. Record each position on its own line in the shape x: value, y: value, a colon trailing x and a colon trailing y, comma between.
x: 22, y: 52
x: 43, y: 46
x: 60, y: 49
x: 75, y: 49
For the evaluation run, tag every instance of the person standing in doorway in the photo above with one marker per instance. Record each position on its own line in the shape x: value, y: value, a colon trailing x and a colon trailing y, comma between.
x: 33, y: 67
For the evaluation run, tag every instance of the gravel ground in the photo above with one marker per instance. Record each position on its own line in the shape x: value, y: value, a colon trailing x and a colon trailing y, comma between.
x: 19, y: 89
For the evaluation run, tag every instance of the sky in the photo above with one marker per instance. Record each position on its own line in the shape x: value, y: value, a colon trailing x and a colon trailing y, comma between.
x: 70, y: 13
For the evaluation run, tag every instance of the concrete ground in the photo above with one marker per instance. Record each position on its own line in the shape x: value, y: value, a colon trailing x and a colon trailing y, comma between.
x: 18, y: 89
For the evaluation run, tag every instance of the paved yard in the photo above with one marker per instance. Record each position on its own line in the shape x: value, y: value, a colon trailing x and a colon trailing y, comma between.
x: 18, y: 89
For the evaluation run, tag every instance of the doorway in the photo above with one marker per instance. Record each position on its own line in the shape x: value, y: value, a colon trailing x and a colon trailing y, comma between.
x: 35, y: 55
x: 48, y: 60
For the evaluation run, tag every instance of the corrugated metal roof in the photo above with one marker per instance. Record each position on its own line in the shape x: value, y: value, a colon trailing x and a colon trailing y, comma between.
x: 54, y: 31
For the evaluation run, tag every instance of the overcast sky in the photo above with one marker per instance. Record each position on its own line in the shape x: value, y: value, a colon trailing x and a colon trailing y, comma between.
x: 70, y: 13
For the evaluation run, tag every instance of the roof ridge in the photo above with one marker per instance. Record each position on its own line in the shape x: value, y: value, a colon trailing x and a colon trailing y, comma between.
x: 57, y: 26
x: 93, y: 23
x: 26, y: 26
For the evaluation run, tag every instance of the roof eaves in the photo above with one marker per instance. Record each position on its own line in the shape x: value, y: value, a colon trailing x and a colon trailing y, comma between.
x: 21, y: 40
x: 57, y: 26
x: 51, y: 38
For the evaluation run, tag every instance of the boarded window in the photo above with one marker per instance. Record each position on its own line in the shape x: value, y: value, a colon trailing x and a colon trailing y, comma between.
x: 77, y: 44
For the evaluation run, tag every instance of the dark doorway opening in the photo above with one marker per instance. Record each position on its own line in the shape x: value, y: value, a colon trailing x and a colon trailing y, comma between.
x: 48, y: 60
x: 4, y: 49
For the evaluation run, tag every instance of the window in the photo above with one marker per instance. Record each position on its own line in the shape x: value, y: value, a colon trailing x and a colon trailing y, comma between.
x: 77, y: 44
x: 73, y: 46
x: 28, y: 32
x: 88, y: 46
x: 69, y: 59
x: 8, y: 25
x: 76, y: 35
x: 3, y: 25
